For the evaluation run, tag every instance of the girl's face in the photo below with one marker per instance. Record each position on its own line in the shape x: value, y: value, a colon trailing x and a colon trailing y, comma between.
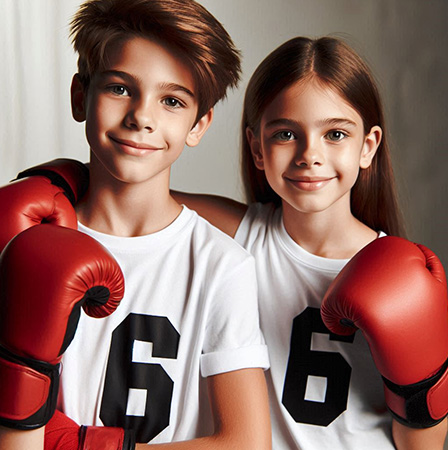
x: 311, y: 146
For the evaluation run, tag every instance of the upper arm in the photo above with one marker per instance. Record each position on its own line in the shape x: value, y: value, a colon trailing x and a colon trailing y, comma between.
x: 240, y: 408
x: 223, y: 213
x: 406, y: 438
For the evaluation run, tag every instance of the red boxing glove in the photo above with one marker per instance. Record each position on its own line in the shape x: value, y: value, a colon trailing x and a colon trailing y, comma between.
x: 47, y: 196
x: 395, y: 292
x: 70, y: 175
x: 46, y: 274
x: 62, y: 433
x: 99, y: 438
x: 30, y: 202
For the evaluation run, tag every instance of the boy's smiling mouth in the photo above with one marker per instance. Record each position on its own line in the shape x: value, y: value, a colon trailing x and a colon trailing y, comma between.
x: 132, y: 147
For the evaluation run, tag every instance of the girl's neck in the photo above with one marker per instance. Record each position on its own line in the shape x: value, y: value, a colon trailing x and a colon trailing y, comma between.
x: 125, y: 209
x: 330, y: 234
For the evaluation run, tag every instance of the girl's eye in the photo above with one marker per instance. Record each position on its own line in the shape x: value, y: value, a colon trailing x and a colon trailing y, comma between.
x: 173, y: 102
x: 335, y: 136
x: 118, y: 89
x: 285, y: 136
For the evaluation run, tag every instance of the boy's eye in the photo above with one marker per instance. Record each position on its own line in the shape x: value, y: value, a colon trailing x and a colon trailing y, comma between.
x: 118, y: 89
x: 335, y: 135
x: 172, y: 102
x: 285, y: 136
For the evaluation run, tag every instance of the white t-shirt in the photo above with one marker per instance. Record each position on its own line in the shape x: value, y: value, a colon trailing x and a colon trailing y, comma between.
x: 189, y: 312
x: 325, y: 393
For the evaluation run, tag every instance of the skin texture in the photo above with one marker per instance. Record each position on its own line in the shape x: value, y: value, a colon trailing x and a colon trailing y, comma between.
x: 18, y: 439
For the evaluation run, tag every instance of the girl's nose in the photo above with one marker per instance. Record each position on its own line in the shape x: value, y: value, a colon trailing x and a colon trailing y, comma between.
x: 309, y: 153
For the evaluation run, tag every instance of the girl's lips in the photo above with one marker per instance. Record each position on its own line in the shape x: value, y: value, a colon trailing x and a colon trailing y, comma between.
x: 309, y: 184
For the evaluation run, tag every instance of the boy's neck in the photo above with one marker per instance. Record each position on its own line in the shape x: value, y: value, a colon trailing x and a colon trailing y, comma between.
x: 125, y: 209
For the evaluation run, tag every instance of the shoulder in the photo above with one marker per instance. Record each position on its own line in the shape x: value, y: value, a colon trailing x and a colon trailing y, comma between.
x: 219, y: 258
x: 210, y: 238
x: 224, y: 213
x: 258, y: 220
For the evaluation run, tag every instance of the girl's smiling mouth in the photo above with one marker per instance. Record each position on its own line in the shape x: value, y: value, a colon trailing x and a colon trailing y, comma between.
x: 309, y: 183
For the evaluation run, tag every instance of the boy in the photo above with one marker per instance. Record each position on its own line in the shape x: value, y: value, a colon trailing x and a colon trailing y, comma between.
x: 150, y: 72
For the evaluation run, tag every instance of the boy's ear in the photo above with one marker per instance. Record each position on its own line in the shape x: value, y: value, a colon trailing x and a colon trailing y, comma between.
x: 370, y: 146
x: 255, y: 148
x: 77, y: 94
x: 196, y: 133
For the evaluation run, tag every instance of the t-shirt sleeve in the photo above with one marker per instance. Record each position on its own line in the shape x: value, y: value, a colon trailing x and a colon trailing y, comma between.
x: 233, y: 339
x: 243, y: 232
x: 253, y: 226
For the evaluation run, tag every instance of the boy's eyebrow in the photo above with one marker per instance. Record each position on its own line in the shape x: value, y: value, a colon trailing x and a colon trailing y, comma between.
x: 177, y: 87
x: 120, y: 74
x: 131, y: 78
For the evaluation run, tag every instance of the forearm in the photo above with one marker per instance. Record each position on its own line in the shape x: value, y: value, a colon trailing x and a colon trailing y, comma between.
x: 206, y: 443
x: 240, y: 408
x: 214, y: 442
x: 406, y: 438
x: 18, y: 439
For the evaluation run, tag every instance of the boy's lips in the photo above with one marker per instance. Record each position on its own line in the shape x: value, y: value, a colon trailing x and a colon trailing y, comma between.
x: 309, y: 183
x: 132, y: 147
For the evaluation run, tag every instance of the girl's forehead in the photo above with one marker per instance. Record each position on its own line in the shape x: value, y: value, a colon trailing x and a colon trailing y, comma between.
x: 310, y: 100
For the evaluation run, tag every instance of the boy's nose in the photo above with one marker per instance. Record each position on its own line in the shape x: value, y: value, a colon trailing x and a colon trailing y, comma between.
x: 140, y: 117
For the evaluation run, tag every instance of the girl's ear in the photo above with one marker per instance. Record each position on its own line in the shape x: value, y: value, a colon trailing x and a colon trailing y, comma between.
x: 370, y: 146
x: 196, y: 133
x: 255, y: 148
x: 77, y: 94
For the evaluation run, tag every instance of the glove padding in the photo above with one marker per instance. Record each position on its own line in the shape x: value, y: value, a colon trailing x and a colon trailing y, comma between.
x: 70, y: 175
x: 33, y: 201
x: 46, y: 274
x: 395, y: 292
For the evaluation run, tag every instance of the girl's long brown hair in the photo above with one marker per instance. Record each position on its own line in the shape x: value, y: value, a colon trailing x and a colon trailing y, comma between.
x: 374, y: 196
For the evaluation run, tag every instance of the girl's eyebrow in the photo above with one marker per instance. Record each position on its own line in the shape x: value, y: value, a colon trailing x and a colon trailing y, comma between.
x: 335, y: 121
x: 131, y: 78
x: 282, y: 121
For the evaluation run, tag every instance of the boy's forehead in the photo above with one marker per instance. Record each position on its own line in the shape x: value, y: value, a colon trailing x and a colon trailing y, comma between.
x: 146, y: 59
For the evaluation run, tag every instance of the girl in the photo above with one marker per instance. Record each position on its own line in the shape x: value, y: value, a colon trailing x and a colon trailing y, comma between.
x: 317, y: 173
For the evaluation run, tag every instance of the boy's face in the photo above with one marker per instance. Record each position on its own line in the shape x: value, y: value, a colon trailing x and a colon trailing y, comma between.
x: 140, y: 111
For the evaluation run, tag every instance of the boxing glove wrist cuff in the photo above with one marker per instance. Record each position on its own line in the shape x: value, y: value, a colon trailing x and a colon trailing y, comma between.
x: 98, y: 438
x: 419, y: 405
x: 70, y: 175
x: 28, y: 391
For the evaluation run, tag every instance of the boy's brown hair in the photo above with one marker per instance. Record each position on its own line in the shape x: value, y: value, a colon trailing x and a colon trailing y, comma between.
x: 184, y: 25
x: 336, y: 65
